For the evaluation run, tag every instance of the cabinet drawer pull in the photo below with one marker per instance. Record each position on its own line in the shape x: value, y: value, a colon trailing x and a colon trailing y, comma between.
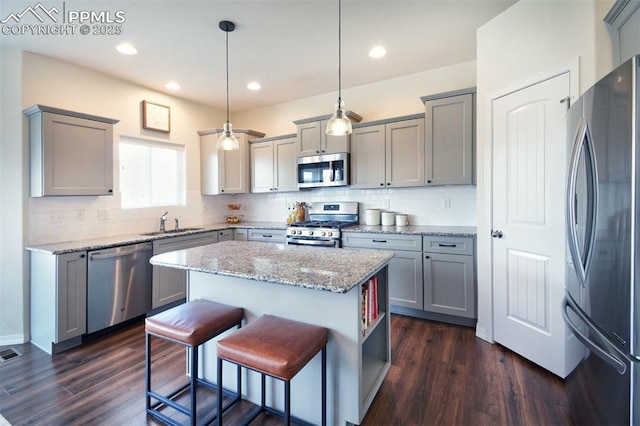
x: 267, y: 235
x: 447, y: 245
x: 379, y: 241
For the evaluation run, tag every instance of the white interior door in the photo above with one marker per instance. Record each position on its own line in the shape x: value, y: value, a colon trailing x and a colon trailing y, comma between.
x: 529, y: 167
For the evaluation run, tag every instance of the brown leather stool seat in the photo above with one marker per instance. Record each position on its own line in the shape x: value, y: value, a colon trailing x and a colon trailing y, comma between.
x: 189, y: 324
x: 278, y: 348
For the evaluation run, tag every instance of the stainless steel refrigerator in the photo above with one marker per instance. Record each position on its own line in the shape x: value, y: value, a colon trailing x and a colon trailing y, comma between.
x: 602, y: 303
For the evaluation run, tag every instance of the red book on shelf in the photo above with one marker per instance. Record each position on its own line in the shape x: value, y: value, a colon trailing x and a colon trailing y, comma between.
x: 375, y: 297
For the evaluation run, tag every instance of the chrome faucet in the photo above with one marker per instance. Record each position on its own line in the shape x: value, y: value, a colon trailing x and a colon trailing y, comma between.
x: 177, y: 226
x: 163, y: 219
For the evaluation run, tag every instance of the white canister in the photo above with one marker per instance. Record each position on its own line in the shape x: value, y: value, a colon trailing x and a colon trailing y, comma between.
x: 388, y: 218
x: 372, y: 217
x: 402, y: 220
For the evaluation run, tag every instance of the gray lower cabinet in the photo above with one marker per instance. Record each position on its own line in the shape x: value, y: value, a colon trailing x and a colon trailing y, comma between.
x: 225, y: 235
x: 267, y: 235
x: 58, y: 300
x: 241, y: 234
x: 168, y: 284
x: 449, y: 276
x: 405, y: 269
x: 430, y: 277
x: 449, y: 138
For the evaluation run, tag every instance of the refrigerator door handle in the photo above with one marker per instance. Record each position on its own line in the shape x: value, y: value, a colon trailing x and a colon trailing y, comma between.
x: 606, y: 356
x: 582, y: 145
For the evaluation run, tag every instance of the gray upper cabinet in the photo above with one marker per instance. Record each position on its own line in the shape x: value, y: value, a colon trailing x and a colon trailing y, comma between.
x: 312, y: 139
x: 273, y: 164
x: 449, y: 138
x: 225, y: 172
x: 624, y: 28
x: 388, y: 153
x: 70, y: 153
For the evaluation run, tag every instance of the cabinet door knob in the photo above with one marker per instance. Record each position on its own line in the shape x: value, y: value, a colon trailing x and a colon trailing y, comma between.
x: 388, y: 183
x: 427, y: 257
x: 496, y: 234
x: 428, y: 180
x: 82, y: 256
x: 381, y: 184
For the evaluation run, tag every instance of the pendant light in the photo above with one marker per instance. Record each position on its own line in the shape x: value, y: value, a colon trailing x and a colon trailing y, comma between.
x: 339, y: 124
x: 227, y: 140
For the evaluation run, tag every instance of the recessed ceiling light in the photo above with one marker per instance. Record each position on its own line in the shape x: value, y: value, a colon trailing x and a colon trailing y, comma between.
x: 172, y: 85
x: 254, y: 85
x: 377, y: 52
x: 126, y: 48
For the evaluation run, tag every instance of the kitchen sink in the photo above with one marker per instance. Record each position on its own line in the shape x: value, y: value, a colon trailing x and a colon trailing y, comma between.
x: 171, y: 231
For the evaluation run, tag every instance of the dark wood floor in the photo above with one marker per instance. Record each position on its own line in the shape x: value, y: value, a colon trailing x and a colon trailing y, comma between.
x: 440, y: 375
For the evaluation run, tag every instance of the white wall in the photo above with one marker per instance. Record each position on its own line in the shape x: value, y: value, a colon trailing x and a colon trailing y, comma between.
x: 531, y: 37
x: 13, y: 258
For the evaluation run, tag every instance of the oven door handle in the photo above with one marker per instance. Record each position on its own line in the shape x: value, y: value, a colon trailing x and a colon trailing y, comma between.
x: 305, y: 242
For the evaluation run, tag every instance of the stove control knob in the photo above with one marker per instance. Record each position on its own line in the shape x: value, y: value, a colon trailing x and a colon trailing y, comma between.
x: 330, y: 234
x: 324, y: 233
x: 299, y: 232
x: 310, y: 232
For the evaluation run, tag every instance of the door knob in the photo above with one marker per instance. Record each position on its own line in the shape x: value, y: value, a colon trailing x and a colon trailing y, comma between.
x: 496, y: 234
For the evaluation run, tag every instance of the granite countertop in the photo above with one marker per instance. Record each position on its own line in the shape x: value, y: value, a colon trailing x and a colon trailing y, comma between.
x: 439, y: 231
x: 335, y: 270
x: 118, y: 240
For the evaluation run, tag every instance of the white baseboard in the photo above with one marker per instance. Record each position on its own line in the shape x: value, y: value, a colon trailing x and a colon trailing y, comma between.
x: 16, y: 339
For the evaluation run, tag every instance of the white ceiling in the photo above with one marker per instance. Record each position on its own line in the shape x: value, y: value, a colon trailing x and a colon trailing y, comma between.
x: 289, y: 46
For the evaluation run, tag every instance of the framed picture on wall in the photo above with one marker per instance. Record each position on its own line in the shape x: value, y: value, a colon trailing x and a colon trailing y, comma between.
x: 156, y: 117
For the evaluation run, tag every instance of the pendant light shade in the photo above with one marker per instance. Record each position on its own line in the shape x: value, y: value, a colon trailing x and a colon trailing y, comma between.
x: 339, y: 124
x: 227, y: 141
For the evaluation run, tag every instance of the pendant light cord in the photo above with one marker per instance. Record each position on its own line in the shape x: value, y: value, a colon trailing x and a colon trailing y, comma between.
x: 339, y: 53
x: 227, y: 60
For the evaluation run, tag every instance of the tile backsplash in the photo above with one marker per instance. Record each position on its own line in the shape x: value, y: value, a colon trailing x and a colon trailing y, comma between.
x: 58, y: 219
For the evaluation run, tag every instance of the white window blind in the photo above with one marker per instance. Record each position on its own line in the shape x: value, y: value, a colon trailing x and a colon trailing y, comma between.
x: 151, y: 173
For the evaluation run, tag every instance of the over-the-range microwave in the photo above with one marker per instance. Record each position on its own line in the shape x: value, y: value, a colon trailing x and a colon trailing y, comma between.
x: 323, y: 170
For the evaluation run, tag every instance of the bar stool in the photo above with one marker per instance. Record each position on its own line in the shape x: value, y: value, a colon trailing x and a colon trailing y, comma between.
x: 189, y: 324
x: 278, y: 348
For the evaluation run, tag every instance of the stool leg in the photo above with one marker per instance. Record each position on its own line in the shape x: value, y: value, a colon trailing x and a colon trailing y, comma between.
x: 194, y: 381
x: 148, y: 371
x: 287, y: 402
x: 324, y: 386
x: 263, y: 387
x: 219, y: 395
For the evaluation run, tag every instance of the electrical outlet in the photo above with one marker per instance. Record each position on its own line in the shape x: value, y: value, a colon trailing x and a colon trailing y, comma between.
x: 80, y: 215
x: 56, y: 217
x: 103, y: 214
x: 446, y: 203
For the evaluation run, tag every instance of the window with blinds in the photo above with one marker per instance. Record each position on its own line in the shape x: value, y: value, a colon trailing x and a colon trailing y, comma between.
x: 151, y: 173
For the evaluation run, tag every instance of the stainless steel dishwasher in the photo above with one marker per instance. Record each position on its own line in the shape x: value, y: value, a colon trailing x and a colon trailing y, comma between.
x: 118, y: 285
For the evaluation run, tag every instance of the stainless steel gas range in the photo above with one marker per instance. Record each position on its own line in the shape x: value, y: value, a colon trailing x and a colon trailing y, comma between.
x: 324, y: 224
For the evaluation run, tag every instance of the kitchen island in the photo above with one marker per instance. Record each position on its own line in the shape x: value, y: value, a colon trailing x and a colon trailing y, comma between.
x: 324, y: 287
